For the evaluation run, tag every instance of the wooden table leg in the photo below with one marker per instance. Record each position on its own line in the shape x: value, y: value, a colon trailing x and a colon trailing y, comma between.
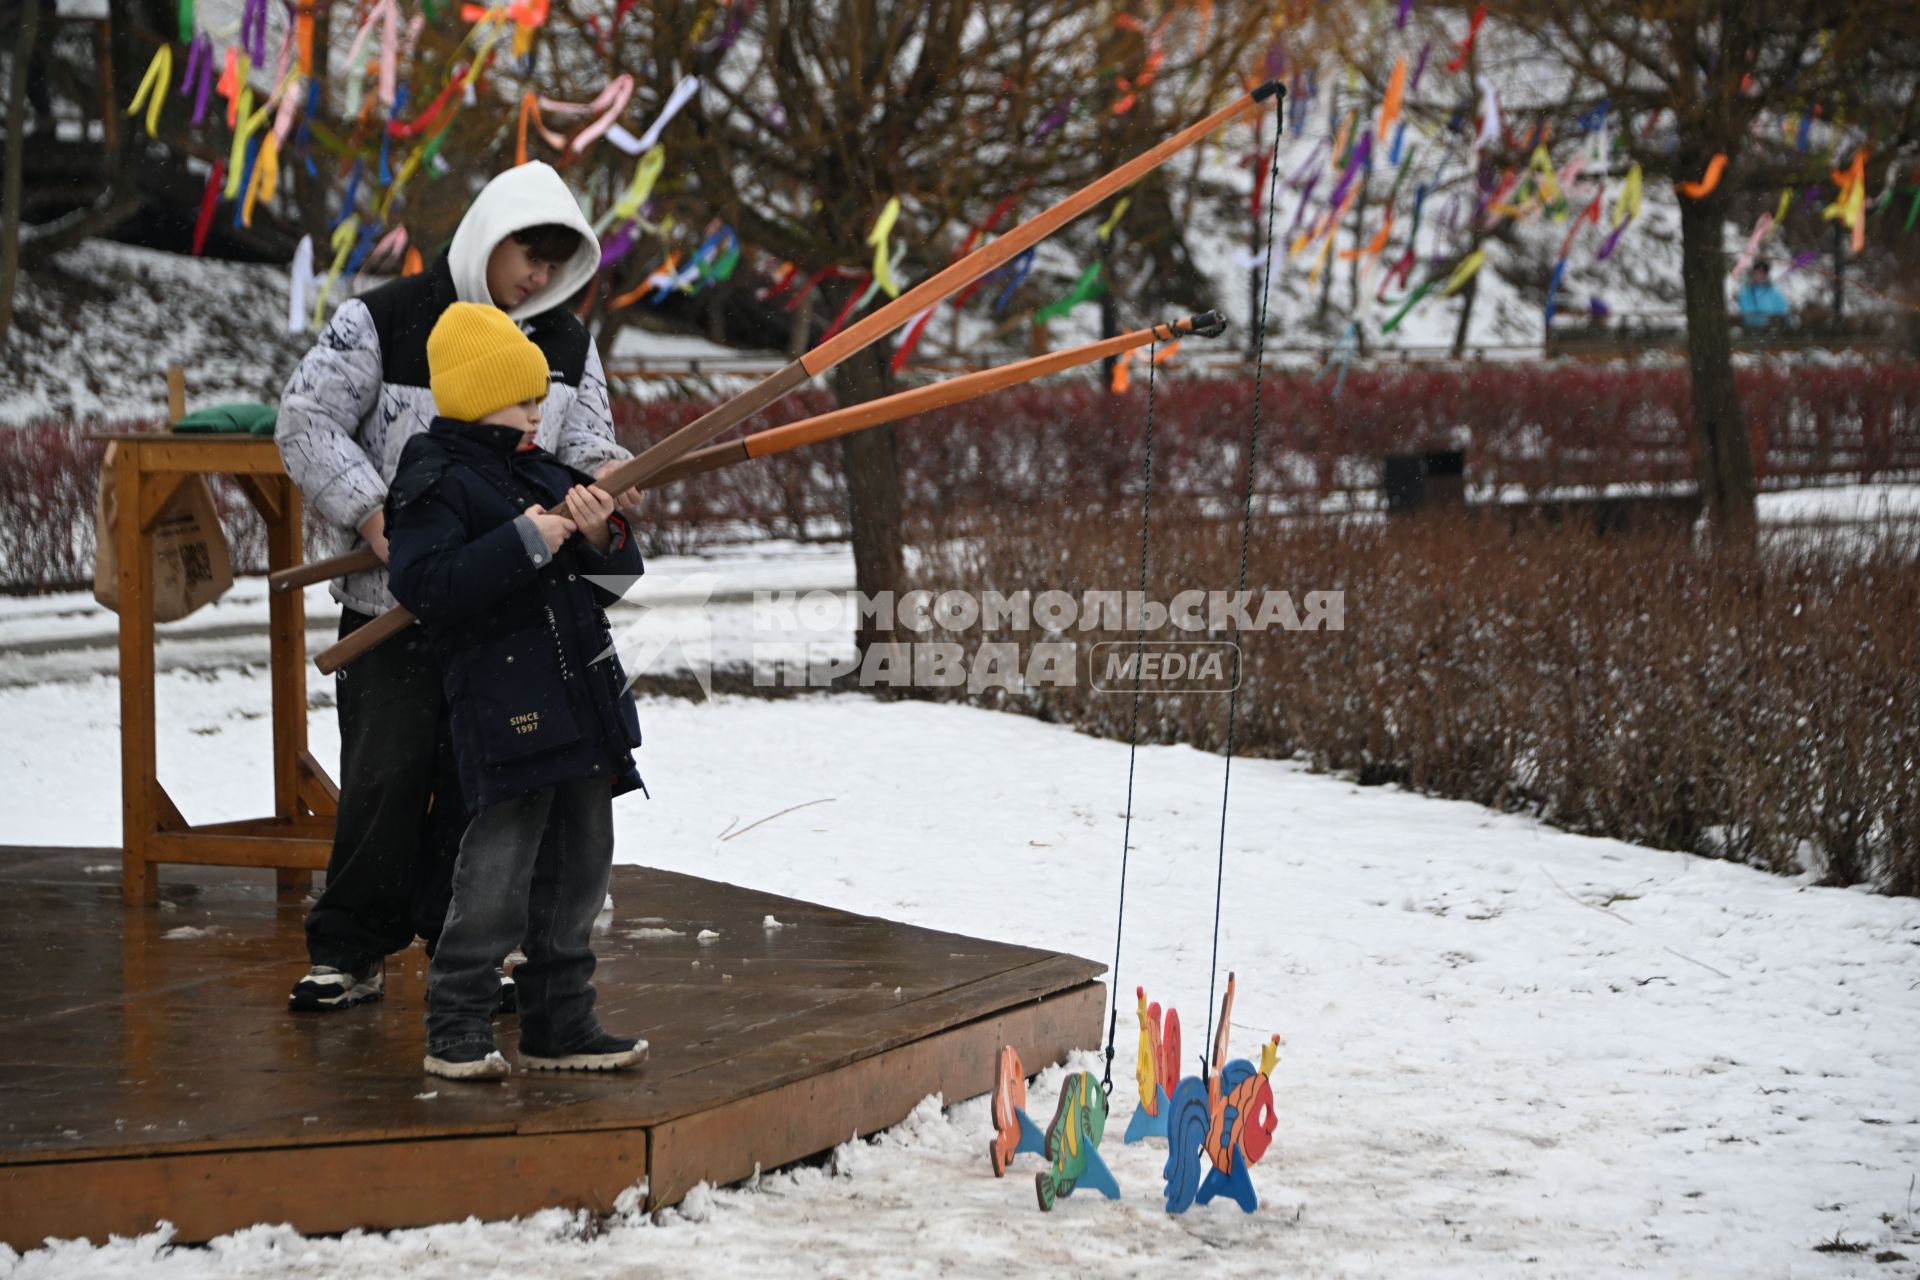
x: 287, y: 623
x: 137, y: 756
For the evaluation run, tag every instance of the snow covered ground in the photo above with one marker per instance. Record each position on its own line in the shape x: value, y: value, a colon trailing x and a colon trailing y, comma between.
x: 1510, y: 1051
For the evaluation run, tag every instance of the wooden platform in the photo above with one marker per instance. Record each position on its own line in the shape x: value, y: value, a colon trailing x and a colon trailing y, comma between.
x: 149, y: 1069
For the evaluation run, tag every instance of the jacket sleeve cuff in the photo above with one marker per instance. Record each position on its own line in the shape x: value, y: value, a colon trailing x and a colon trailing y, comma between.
x: 531, y: 539
x: 351, y: 496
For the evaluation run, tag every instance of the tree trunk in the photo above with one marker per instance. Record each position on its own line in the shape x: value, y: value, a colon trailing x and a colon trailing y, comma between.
x: 873, y: 490
x: 1465, y: 322
x: 1725, y: 462
x: 121, y: 154
x: 16, y: 157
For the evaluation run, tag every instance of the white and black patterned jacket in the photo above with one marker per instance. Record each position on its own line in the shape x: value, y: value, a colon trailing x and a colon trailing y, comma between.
x: 362, y: 392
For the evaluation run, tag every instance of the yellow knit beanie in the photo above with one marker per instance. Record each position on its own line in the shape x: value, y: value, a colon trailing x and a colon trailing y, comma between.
x: 478, y: 362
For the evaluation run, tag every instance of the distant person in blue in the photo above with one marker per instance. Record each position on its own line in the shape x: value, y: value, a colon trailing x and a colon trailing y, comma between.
x: 1762, y: 306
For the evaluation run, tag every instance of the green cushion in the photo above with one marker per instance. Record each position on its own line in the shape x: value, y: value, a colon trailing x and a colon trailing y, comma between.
x: 230, y: 419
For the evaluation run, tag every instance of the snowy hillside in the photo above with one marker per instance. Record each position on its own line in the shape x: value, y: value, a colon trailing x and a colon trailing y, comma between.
x: 225, y: 323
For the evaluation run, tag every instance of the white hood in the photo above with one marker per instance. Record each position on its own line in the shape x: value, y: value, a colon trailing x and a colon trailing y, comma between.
x: 527, y: 195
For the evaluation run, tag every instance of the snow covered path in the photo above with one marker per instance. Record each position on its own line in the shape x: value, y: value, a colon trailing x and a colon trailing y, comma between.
x: 1510, y: 1051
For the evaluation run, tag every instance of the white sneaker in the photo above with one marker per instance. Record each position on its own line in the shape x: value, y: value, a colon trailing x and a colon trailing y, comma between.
x: 326, y: 988
x: 471, y: 1063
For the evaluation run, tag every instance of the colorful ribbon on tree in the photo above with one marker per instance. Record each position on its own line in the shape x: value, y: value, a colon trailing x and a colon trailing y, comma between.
x: 1761, y: 229
x: 208, y: 196
x: 387, y: 14
x: 1473, y: 34
x: 1396, y: 90
x: 345, y: 236
x: 683, y: 93
x: 1463, y: 272
x: 1085, y: 289
x: 301, y: 285
x: 197, y: 81
x: 1850, y: 206
x: 1704, y: 186
x: 645, y: 174
x: 153, y: 88
x: 877, y: 237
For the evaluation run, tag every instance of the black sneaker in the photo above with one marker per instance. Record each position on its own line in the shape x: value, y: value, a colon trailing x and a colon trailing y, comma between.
x: 509, y: 998
x: 476, y: 1060
x: 326, y: 988
x: 599, y: 1052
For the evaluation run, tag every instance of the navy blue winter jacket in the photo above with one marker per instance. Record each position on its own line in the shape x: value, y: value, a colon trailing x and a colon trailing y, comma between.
x: 519, y: 630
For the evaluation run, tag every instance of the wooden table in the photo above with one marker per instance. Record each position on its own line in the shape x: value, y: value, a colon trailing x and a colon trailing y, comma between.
x: 297, y: 837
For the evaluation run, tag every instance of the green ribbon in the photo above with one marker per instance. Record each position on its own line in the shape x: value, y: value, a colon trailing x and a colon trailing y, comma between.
x: 1393, y: 321
x: 1085, y: 289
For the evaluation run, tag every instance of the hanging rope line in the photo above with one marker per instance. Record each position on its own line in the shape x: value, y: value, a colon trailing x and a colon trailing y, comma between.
x: 1246, y: 531
x: 1133, y: 721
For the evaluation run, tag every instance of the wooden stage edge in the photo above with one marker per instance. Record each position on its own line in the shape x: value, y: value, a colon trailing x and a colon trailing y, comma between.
x: 152, y: 1072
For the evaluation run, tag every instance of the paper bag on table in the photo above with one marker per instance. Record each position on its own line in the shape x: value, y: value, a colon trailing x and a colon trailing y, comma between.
x: 191, y: 566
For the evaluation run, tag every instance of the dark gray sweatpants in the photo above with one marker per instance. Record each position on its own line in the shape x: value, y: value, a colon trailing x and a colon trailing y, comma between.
x: 531, y: 871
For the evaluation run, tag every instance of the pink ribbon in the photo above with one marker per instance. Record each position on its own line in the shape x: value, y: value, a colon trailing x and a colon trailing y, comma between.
x: 609, y: 103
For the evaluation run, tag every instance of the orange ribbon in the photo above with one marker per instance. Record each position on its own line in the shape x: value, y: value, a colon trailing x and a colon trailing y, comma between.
x: 1708, y: 181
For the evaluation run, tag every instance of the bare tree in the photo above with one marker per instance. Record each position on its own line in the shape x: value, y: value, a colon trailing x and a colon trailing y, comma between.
x: 815, y: 115
x: 1700, y: 79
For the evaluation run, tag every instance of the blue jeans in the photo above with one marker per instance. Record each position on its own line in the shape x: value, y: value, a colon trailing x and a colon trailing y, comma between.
x: 533, y: 869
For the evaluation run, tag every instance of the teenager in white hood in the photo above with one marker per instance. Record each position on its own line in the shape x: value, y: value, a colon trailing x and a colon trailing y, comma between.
x: 349, y: 409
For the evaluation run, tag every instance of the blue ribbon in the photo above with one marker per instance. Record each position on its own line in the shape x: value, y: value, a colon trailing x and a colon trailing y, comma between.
x: 1020, y: 266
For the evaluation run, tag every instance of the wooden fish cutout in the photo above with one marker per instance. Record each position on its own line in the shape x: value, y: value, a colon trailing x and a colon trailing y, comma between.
x: 1013, y: 1132
x: 1073, y: 1143
x: 1158, y: 1069
x: 1219, y: 1125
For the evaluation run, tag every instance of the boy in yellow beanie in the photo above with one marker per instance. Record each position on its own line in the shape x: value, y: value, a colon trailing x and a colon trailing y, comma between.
x: 512, y: 600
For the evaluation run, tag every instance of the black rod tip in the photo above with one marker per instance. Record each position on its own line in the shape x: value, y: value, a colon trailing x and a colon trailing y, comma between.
x: 1208, y: 324
x: 1271, y: 89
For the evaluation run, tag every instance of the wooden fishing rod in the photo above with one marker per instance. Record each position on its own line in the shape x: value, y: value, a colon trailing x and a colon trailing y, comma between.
x: 904, y: 404
x: 840, y: 422
x: 893, y: 408
x: 858, y: 337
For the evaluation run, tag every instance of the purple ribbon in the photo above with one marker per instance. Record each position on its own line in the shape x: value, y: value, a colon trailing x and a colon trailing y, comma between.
x: 1613, y: 239
x: 620, y: 245
x: 1400, y: 22
x: 253, y: 31
x: 1301, y: 212
x: 1053, y: 120
x: 199, y: 59
x: 1419, y: 66
x: 1362, y: 155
